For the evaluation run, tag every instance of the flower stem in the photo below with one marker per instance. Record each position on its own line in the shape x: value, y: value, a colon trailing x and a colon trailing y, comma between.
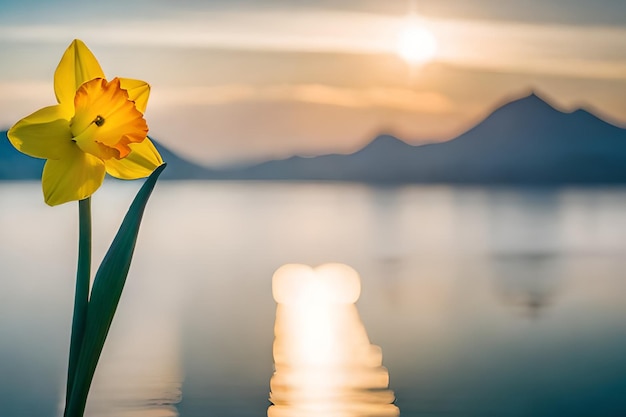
x: 81, y: 296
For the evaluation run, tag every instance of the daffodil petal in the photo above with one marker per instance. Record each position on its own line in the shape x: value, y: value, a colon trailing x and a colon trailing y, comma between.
x: 75, y: 177
x: 140, y: 162
x: 106, y: 121
x: 43, y: 134
x: 78, y: 65
x: 138, y: 91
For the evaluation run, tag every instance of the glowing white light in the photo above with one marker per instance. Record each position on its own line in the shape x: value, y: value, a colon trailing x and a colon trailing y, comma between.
x: 325, y: 364
x: 416, y: 44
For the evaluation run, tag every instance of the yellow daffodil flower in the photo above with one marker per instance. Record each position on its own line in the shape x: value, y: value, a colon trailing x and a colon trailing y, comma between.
x: 96, y: 127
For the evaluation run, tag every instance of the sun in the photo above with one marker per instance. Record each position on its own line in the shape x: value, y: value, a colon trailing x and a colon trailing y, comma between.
x: 416, y: 44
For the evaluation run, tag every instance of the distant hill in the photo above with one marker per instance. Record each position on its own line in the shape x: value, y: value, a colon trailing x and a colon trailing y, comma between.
x: 526, y: 141
x: 178, y: 168
x: 17, y: 166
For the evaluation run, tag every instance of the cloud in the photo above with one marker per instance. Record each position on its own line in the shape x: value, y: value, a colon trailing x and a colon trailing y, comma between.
x: 374, y: 97
x: 278, y: 30
x: 575, y: 51
x: 584, y: 51
x: 19, y: 99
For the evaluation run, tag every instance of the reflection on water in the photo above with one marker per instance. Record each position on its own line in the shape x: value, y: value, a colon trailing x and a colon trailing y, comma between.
x: 528, y: 282
x: 140, y: 373
x: 488, y: 302
x: 324, y: 362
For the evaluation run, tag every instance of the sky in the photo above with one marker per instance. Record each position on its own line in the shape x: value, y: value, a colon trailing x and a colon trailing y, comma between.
x: 238, y: 81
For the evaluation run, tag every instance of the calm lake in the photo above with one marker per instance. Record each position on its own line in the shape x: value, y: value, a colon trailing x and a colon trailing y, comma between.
x: 484, y: 302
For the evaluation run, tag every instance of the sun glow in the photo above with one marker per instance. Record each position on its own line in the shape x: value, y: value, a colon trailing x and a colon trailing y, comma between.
x: 324, y: 362
x: 416, y: 44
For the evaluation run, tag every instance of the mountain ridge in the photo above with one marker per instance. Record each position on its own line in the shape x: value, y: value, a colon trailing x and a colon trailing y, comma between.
x: 16, y: 166
x: 524, y: 141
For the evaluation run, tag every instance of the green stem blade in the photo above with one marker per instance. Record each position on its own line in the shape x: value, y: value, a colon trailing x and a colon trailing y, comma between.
x: 105, y: 295
x: 81, y: 295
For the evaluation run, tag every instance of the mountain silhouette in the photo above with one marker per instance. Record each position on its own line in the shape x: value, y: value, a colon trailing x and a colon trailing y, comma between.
x: 526, y: 141
x: 16, y: 166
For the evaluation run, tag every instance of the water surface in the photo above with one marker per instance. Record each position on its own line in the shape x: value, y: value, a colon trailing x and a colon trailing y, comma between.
x: 485, y: 302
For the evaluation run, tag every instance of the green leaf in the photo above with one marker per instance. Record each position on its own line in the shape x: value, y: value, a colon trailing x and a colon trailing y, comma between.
x: 105, y: 295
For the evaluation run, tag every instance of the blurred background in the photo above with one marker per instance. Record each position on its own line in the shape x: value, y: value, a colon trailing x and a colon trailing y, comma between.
x: 243, y: 80
x: 466, y: 158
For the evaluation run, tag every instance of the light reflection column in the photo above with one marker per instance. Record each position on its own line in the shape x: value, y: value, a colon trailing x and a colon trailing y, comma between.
x: 324, y: 361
